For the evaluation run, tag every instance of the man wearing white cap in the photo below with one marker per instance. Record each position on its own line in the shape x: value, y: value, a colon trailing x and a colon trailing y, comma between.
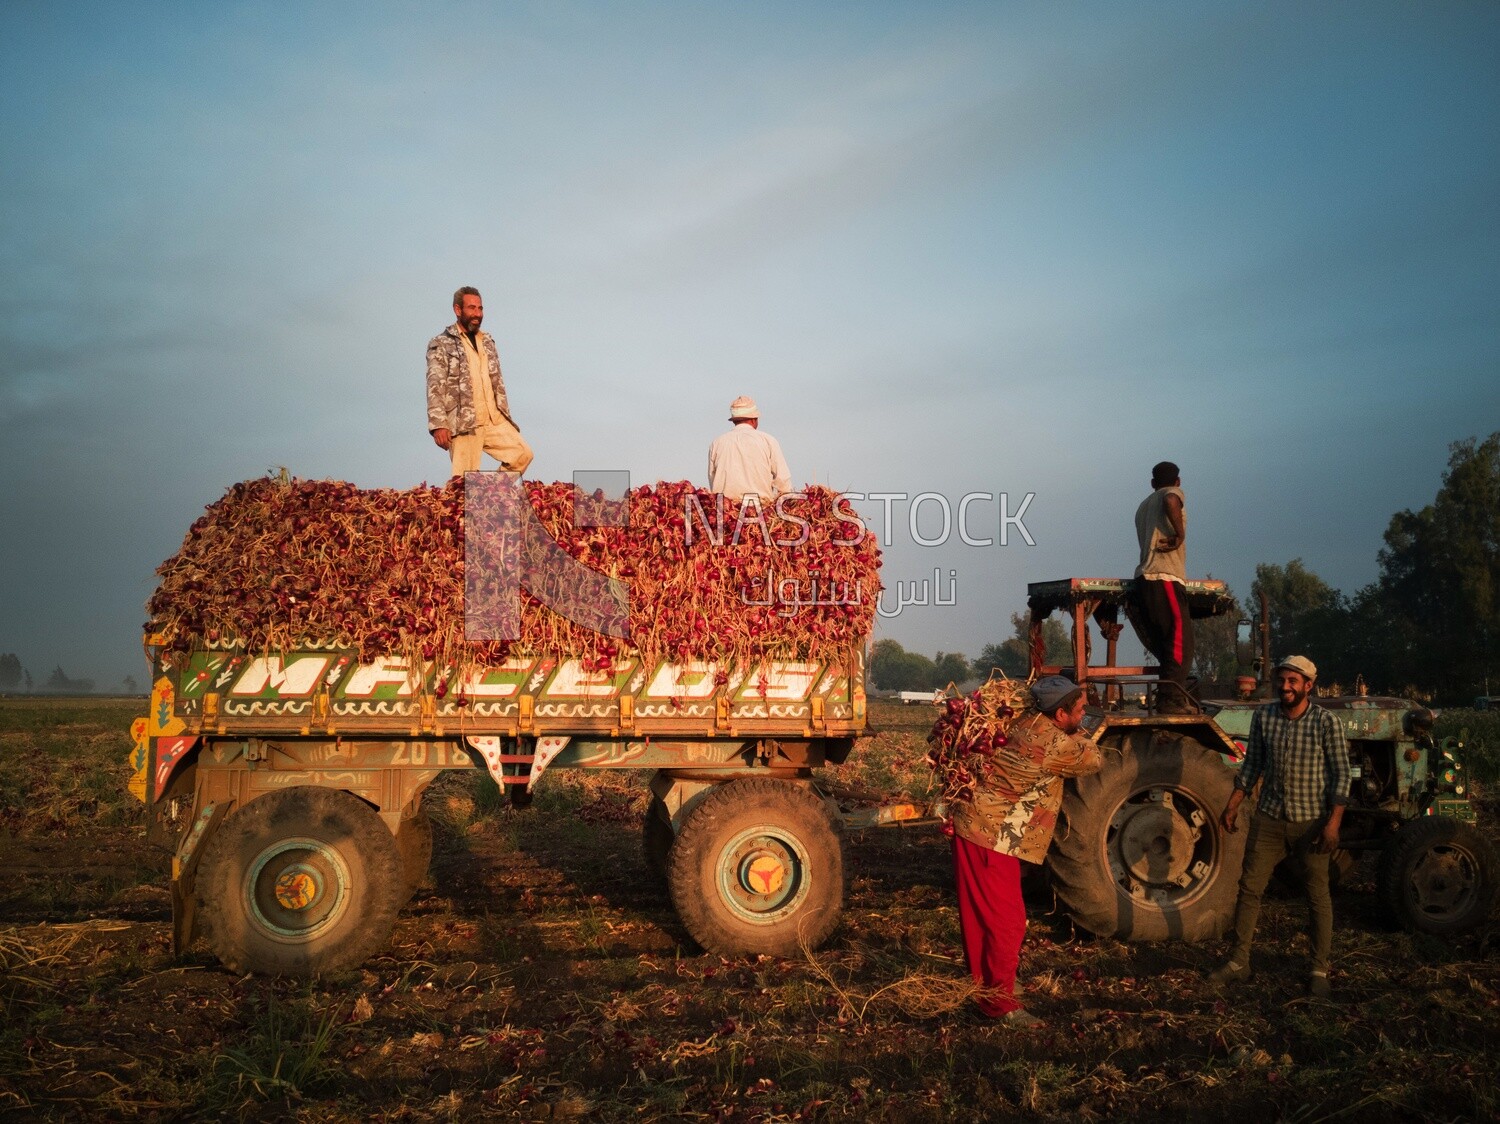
x: 745, y: 461
x: 1298, y: 753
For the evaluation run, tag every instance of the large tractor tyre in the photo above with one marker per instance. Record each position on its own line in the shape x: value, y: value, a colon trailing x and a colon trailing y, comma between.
x: 758, y: 867
x: 1438, y: 875
x: 657, y: 838
x: 300, y: 882
x: 414, y: 843
x: 1140, y: 852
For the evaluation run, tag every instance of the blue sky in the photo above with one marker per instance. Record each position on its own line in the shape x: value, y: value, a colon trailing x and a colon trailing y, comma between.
x: 949, y: 248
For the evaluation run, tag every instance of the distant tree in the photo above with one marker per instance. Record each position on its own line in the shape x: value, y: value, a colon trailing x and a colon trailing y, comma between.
x: 949, y: 667
x: 893, y: 668
x: 1005, y: 657
x: 58, y: 681
x: 10, y: 672
x: 1436, y: 604
x: 28, y: 681
x: 130, y: 687
x: 1215, y: 652
x: 1013, y: 656
x: 1311, y: 618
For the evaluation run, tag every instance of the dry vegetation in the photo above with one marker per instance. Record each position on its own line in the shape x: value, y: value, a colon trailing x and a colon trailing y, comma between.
x: 540, y: 974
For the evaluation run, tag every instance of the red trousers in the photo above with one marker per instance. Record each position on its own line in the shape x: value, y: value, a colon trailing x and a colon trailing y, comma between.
x: 993, y: 919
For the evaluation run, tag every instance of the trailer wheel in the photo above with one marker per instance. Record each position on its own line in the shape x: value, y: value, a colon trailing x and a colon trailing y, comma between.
x: 300, y: 882
x: 758, y: 868
x: 414, y: 842
x: 1438, y: 875
x: 1140, y: 853
x: 657, y: 837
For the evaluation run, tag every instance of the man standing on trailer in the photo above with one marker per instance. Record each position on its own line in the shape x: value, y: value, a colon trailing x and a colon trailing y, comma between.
x: 746, y: 462
x: 1298, y: 753
x: 467, y: 412
x: 1010, y: 818
x: 1165, y: 625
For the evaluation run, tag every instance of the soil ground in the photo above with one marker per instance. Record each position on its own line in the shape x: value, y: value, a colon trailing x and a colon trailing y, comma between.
x: 540, y: 973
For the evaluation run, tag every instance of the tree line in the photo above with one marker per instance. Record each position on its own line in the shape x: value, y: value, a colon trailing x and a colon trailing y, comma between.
x: 14, y: 677
x: 1428, y: 626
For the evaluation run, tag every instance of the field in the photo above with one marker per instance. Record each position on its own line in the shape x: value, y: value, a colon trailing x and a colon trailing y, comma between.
x: 540, y: 974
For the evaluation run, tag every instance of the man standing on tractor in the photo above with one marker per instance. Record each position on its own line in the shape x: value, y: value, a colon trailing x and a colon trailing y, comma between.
x: 1164, y: 624
x: 1298, y: 753
x: 1011, y: 816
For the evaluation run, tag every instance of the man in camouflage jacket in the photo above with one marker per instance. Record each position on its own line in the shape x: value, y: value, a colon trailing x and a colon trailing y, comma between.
x: 1010, y: 818
x: 467, y: 411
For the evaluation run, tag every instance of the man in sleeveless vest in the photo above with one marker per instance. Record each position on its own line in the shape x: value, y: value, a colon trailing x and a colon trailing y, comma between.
x: 1165, y: 626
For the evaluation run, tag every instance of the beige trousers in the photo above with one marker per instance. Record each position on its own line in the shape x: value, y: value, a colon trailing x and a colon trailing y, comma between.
x: 502, y: 441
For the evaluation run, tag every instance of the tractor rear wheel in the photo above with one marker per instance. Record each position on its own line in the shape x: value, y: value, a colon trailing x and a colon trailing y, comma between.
x: 1438, y: 875
x: 1140, y: 852
x: 300, y: 882
x: 758, y: 867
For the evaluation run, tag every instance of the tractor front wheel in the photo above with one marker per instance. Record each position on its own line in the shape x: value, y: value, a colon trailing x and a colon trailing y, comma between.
x: 1438, y: 875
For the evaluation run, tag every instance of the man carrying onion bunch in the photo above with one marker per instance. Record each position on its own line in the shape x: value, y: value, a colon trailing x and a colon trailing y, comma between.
x: 1010, y: 817
x: 467, y: 412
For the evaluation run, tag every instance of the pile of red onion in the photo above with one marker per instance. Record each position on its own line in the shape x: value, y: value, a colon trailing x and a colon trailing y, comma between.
x: 278, y: 564
x: 969, y: 730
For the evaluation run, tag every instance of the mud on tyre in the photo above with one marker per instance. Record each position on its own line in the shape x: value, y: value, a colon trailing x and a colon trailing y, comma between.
x: 1140, y: 852
x: 300, y: 882
x: 758, y: 867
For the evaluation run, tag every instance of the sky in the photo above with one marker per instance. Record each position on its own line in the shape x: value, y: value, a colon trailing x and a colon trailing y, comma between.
x: 958, y: 249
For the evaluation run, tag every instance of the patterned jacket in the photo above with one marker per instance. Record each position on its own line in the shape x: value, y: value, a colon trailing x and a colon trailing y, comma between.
x: 1015, y: 804
x: 450, y: 394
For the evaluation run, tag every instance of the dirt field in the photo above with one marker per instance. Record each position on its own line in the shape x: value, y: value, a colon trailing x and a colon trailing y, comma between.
x: 541, y: 974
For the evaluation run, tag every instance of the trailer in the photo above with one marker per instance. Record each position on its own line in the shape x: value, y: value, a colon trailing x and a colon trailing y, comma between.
x: 302, y: 777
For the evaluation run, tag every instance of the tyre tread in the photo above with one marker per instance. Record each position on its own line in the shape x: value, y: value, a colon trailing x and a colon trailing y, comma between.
x: 379, y: 895
x: 697, y: 909
x: 1417, y: 836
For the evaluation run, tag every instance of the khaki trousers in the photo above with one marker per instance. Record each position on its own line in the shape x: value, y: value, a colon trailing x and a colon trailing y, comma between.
x: 502, y: 441
x: 1272, y: 840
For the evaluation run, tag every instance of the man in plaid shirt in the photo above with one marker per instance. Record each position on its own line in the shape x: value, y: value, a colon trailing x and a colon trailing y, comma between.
x: 1297, y: 752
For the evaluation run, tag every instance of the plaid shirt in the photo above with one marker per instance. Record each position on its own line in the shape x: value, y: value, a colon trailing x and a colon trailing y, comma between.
x: 1305, y: 763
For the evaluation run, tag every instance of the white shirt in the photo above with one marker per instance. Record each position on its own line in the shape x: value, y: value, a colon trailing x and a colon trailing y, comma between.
x: 745, y: 461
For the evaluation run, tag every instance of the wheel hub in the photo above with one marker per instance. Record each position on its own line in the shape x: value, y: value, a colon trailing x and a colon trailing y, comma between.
x: 1443, y: 880
x: 763, y: 874
x: 1156, y: 846
x: 296, y: 889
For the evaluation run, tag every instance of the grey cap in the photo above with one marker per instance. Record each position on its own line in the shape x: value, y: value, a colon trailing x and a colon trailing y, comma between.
x: 1053, y: 692
x: 1301, y: 665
